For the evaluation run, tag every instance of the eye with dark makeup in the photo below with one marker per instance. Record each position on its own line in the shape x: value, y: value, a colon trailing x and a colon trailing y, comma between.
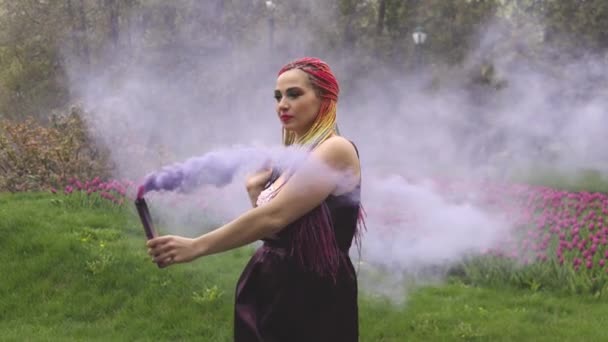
x: 292, y: 93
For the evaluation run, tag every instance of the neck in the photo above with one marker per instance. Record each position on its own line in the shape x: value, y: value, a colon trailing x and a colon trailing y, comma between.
x: 292, y: 137
x: 331, y: 134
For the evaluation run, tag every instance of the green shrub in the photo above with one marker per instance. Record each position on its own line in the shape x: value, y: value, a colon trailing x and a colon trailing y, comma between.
x: 35, y: 156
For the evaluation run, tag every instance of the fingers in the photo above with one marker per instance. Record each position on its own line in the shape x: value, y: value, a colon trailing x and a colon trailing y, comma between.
x: 164, y: 259
x: 161, y: 253
x: 263, y: 177
x: 159, y: 241
x: 168, y: 250
x: 158, y: 251
x: 258, y: 180
x: 162, y: 250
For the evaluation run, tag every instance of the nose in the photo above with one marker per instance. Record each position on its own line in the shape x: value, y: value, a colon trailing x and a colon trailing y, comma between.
x: 283, y: 104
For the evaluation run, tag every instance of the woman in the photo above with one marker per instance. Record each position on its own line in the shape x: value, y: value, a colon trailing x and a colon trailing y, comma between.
x: 300, y: 285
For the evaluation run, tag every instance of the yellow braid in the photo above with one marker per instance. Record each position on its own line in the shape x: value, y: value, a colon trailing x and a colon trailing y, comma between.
x: 322, y: 128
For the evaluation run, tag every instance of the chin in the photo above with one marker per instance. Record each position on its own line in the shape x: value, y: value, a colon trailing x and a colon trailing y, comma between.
x: 289, y: 127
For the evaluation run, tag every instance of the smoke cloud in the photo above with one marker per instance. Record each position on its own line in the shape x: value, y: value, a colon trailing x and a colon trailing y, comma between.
x: 409, y: 128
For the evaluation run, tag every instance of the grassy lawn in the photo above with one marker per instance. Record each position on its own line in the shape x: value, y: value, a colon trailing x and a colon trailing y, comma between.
x: 77, y: 273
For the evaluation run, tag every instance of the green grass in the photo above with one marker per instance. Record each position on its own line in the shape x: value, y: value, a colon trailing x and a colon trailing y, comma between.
x: 579, y: 180
x: 457, y: 312
x: 75, y: 273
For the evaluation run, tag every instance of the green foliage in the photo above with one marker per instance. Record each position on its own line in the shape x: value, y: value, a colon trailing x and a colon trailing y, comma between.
x: 34, y: 156
x: 577, y: 24
x: 499, y: 272
x: 207, y: 296
x: 579, y: 180
x: 452, y: 27
x: 32, y: 79
x: 570, y: 270
x: 41, y: 40
x: 82, y: 273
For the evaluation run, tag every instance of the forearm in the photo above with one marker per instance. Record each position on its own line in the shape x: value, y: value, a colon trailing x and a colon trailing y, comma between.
x: 254, y: 225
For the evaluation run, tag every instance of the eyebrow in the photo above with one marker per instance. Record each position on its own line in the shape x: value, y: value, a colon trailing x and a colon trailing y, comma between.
x: 289, y: 89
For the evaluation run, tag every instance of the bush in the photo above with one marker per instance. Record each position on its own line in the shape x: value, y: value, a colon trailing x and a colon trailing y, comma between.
x: 35, y: 156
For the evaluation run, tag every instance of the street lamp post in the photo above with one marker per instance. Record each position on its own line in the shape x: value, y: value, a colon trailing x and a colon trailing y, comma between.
x: 419, y: 39
x: 271, y: 7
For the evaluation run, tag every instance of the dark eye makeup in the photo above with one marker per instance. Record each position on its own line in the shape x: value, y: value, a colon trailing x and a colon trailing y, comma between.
x: 293, y: 92
x: 290, y: 92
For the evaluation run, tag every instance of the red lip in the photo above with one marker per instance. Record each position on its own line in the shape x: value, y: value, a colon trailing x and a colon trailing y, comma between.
x: 285, y: 117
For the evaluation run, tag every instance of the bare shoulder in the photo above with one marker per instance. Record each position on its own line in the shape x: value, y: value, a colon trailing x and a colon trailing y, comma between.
x: 339, y: 153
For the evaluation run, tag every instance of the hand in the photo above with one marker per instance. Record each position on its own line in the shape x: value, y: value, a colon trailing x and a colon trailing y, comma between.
x: 170, y: 249
x: 257, y: 180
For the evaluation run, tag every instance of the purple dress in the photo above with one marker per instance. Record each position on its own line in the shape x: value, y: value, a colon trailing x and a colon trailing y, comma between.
x: 302, y: 286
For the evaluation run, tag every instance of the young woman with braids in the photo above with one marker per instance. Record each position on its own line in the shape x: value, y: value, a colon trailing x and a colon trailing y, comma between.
x: 300, y: 285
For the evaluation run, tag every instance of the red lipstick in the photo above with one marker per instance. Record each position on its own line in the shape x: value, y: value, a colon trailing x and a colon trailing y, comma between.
x: 285, y: 117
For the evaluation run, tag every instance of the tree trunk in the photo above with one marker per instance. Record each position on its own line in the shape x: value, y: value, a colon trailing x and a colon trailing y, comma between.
x: 112, y: 7
x: 169, y: 18
x: 128, y: 22
x: 83, y: 31
x: 381, y: 15
x: 74, y: 27
x: 77, y: 19
x: 220, y: 6
x: 349, y: 36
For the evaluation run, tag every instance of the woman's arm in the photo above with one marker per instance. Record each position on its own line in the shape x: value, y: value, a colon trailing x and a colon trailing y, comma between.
x: 331, y: 165
x: 255, y: 184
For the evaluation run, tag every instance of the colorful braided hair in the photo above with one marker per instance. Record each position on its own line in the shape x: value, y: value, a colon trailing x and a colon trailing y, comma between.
x: 325, y: 84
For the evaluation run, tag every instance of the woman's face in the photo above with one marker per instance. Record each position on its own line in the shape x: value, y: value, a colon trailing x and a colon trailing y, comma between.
x: 297, y: 101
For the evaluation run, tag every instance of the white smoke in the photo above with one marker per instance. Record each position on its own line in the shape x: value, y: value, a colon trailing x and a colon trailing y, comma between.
x: 407, y: 129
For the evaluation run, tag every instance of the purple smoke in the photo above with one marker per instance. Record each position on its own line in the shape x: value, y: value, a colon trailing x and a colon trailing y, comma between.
x: 218, y: 168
